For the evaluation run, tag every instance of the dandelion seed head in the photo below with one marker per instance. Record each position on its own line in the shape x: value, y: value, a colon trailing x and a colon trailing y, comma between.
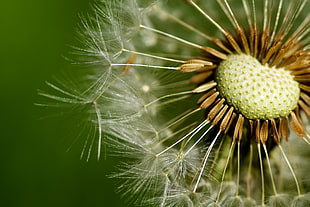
x: 301, y: 201
x: 234, y: 202
x: 255, y: 90
x: 280, y: 200
x: 195, y: 98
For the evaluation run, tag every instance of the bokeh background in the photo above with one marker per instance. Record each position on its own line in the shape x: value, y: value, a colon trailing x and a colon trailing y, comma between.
x: 35, y: 167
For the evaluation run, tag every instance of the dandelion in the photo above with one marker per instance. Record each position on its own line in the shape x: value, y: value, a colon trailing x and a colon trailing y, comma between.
x: 199, y: 99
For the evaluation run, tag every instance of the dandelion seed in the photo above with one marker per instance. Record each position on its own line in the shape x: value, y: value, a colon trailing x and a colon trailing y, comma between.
x: 201, y: 115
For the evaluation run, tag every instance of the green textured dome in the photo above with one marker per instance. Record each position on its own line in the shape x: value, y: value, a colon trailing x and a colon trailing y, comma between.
x: 255, y: 90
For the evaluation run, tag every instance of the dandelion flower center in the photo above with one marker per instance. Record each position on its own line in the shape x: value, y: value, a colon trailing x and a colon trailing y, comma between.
x: 255, y: 90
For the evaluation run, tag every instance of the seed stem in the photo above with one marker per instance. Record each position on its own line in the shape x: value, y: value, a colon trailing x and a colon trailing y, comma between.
x: 146, y: 66
x: 238, y: 168
x: 291, y: 169
x: 208, y: 17
x: 249, y: 172
x: 262, y: 174
x: 231, y: 149
x: 191, y: 134
x: 270, y: 171
x: 154, y: 56
x: 205, y: 159
x: 171, y: 36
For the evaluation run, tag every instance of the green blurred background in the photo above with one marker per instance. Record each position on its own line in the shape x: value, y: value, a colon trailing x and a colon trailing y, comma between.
x: 36, y: 169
